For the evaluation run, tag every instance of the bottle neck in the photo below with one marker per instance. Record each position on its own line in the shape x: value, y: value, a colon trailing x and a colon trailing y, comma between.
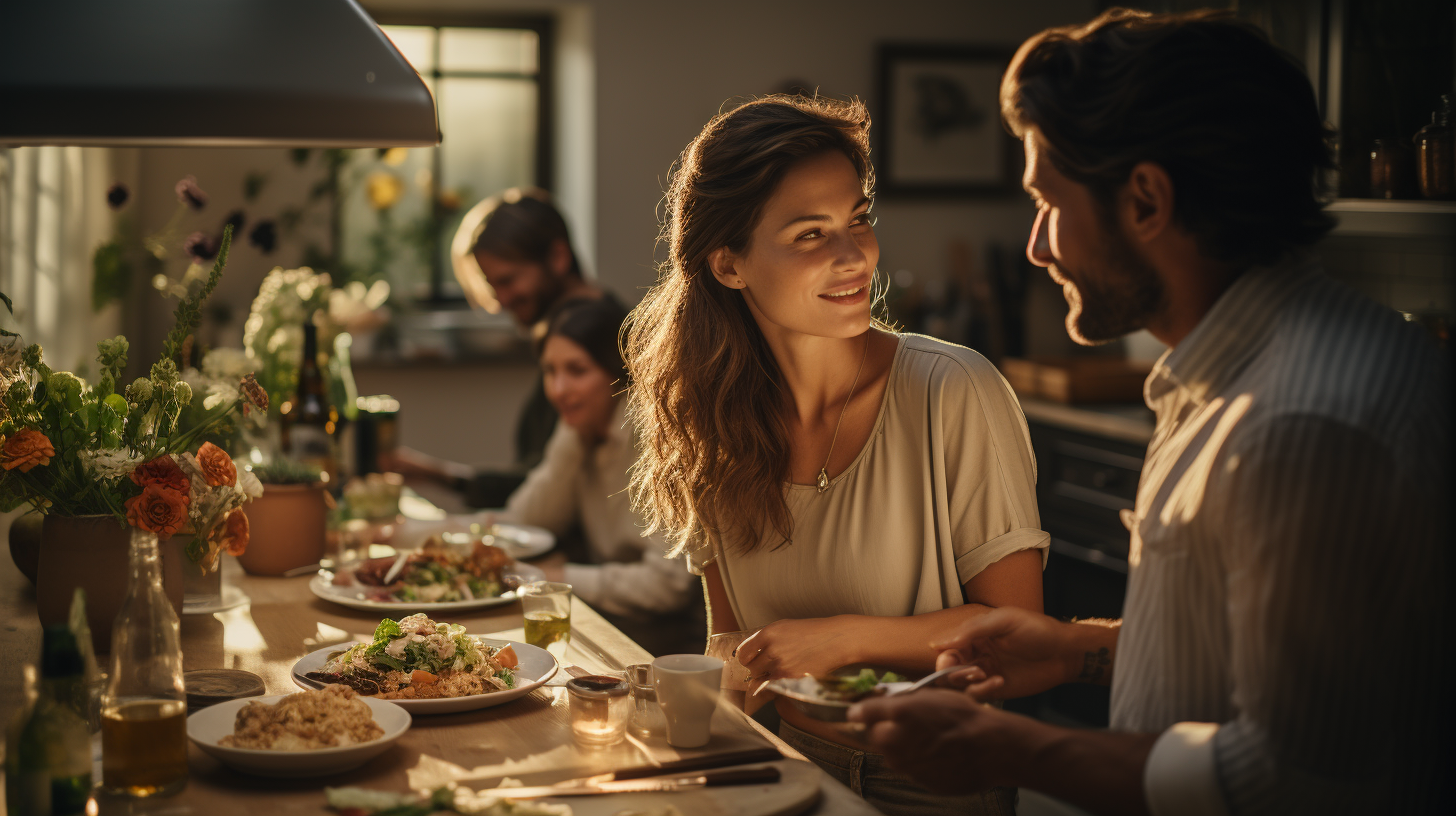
x: 310, y: 343
x: 145, y: 559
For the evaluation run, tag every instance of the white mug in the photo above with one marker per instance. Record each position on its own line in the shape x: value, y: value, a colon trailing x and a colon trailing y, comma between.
x: 687, y: 689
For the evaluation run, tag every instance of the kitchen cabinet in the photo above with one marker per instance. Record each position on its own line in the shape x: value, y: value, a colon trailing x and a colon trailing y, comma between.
x: 1088, y: 465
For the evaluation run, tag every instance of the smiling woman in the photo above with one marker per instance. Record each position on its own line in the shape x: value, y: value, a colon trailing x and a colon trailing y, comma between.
x: 846, y: 493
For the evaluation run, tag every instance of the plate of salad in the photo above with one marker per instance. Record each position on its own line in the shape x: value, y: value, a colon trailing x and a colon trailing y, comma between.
x: 829, y: 698
x: 440, y: 576
x: 427, y: 667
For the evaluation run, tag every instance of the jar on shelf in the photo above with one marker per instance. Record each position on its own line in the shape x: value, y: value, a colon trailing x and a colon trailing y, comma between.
x: 1391, y: 169
x: 1435, y: 146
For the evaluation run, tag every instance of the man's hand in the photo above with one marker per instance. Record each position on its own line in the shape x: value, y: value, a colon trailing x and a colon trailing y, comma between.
x: 1016, y: 653
x: 947, y: 741
x: 950, y: 743
x: 793, y: 648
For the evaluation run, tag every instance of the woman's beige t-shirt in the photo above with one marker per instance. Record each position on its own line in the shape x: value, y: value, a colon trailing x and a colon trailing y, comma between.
x: 945, y: 486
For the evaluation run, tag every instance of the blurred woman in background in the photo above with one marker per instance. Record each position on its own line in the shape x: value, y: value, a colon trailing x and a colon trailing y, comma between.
x: 582, y: 481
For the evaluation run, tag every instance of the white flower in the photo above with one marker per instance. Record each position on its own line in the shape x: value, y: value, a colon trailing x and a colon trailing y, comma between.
x: 248, y: 484
x: 219, y: 393
x: 227, y: 364
x: 108, y: 464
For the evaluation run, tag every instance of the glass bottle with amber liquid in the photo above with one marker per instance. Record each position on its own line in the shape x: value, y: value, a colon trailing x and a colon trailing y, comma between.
x: 144, y: 709
x: 48, y: 759
x: 309, y: 422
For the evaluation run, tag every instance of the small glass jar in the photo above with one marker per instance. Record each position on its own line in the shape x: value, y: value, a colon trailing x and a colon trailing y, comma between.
x: 600, y: 709
x: 1392, y: 170
x: 647, y: 717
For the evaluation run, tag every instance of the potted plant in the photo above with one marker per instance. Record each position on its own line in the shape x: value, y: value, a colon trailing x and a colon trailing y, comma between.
x: 289, y: 520
x: 96, y: 459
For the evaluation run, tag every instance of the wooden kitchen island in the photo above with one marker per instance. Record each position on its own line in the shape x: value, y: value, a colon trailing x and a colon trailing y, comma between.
x: 525, y: 739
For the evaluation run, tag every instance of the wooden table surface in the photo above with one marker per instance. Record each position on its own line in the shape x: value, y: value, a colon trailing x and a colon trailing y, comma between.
x: 283, y: 621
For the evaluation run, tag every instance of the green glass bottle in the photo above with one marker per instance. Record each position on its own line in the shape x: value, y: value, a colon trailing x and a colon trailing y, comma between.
x: 48, y: 769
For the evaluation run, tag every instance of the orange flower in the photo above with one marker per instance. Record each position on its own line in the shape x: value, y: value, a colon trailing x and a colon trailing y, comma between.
x: 217, y: 467
x: 235, y: 532
x: 157, y: 509
x: 163, y: 472
x: 26, y: 449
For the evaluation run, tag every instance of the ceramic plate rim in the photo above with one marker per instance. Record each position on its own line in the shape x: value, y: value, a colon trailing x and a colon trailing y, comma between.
x: 256, y: 760
x: 321, y: 585
x: 449, y: 705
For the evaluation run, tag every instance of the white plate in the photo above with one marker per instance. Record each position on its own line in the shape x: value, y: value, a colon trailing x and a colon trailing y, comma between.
x: 353, y: 597
x: 213, y: 723
x: 522, y: 540
x: 535, y: 668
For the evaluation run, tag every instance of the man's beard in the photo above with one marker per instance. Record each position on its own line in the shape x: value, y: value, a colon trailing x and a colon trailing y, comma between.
x: 1121, y: 294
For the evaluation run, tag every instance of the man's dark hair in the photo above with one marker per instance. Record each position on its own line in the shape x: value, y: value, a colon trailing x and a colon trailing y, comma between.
x: 1230, y: 117
x: 522, y: 226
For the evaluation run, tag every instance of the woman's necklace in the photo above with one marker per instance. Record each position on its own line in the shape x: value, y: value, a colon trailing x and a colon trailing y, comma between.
x: 823, y: 480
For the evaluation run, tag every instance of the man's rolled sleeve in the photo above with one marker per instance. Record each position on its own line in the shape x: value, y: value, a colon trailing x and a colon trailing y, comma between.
x: 1181, y: 776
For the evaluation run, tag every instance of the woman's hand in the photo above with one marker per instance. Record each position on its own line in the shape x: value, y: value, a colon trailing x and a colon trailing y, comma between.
x: 793, y: 648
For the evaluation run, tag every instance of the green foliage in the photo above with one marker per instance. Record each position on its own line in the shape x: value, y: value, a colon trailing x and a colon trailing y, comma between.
x: 287, y: 472
x: 98, y: 435
x: 111, y: 274
x: 189, y: 311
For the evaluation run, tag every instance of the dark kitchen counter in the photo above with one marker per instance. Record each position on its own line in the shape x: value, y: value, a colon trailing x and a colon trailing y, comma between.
x: 1124, y: 422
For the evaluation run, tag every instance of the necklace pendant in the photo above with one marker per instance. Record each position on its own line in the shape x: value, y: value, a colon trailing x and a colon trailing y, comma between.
x: 823, y: 480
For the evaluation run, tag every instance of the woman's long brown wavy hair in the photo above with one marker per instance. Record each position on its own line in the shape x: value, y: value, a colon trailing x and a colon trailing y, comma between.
x: 706, y: 391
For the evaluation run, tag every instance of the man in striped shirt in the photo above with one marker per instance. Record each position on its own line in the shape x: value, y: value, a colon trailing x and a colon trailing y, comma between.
x: 1283, y: 646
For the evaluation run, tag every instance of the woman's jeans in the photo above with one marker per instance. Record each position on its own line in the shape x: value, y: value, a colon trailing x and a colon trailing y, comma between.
x: 869, y: 775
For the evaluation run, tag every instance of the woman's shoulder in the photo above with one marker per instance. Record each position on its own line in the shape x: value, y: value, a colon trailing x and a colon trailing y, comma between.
x: 942, y: 364
x: 951, y: 378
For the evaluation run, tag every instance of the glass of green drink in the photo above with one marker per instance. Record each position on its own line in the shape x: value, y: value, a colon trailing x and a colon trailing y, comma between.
x: 546, y: 606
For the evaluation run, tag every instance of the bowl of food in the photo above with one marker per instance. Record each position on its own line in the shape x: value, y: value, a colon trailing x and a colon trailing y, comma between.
x: 428, y: 667
x: 310, y: 733
x: 828, y: 698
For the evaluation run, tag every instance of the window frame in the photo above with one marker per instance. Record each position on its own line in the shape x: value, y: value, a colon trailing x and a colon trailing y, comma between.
x: 544, y: 171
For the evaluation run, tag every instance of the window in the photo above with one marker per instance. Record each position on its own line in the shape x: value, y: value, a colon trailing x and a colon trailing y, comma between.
x: 400, y: 208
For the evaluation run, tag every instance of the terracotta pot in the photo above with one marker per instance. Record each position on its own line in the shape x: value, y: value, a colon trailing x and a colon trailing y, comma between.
x: 25, y: 543
x: 92, y: 552
x: 286, y: 527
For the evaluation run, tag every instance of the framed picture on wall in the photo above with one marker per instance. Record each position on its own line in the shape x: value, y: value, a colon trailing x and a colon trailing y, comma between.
x: 938, y: 128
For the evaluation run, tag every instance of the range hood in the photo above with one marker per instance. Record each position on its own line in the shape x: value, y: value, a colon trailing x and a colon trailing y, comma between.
x: 277, y: 73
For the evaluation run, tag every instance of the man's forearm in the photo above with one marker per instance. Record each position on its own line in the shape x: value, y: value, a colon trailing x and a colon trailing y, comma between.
x: 1091, y: 650
x: 1100, y: 771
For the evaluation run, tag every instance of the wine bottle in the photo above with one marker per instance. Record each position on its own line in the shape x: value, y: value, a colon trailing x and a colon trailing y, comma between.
x: 309, y: 420
x: 48, y: 762
x: 144, y: 709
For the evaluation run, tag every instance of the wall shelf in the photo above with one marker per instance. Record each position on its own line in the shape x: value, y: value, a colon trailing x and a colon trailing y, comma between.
x: 1394, y: 218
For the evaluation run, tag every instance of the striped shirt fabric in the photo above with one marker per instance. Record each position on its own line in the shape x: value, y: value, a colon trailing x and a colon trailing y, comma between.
x: 1285, y: 622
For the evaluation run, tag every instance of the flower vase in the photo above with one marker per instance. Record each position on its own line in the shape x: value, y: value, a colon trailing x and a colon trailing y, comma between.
x: 91, y: 552
x: 201, y: 587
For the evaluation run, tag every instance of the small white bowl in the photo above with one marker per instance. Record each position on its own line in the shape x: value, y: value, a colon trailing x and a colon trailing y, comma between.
x: 213, y: 723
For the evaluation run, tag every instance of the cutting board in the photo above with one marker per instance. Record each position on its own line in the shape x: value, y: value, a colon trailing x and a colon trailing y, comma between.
x: 796, y: 793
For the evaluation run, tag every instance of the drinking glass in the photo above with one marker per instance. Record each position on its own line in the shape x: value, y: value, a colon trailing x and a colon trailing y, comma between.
x: 724, y: 646
x: 546, y: 606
